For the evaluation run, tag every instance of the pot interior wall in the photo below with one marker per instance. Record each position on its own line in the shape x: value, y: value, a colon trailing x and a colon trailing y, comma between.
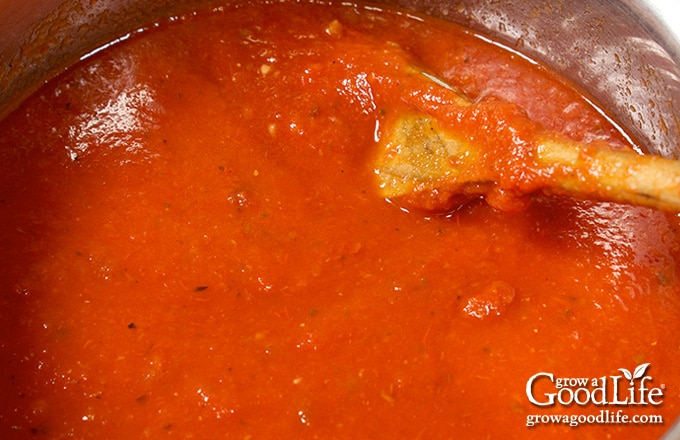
x: 616, y: 50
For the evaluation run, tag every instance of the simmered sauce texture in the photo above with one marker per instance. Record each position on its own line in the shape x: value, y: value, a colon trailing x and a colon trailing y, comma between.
x: 193, y: 246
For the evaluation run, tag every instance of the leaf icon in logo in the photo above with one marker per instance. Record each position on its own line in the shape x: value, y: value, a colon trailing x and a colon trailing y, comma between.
x: 640, y: 371
x: 627, y: 374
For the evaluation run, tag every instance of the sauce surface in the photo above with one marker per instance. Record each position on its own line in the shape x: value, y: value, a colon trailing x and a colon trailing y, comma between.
x: 193, y: 246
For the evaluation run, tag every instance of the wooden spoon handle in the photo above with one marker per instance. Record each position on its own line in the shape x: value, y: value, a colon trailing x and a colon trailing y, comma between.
x: 606, y: 174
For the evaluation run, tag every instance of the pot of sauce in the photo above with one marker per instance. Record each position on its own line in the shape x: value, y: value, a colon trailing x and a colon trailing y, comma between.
x: 625, y: 54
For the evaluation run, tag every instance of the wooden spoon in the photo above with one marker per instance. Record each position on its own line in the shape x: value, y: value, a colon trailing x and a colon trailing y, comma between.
x: 433, y: 159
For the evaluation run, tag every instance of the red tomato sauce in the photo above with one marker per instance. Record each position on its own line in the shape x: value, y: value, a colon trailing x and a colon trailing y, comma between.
x: 193, y: 246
